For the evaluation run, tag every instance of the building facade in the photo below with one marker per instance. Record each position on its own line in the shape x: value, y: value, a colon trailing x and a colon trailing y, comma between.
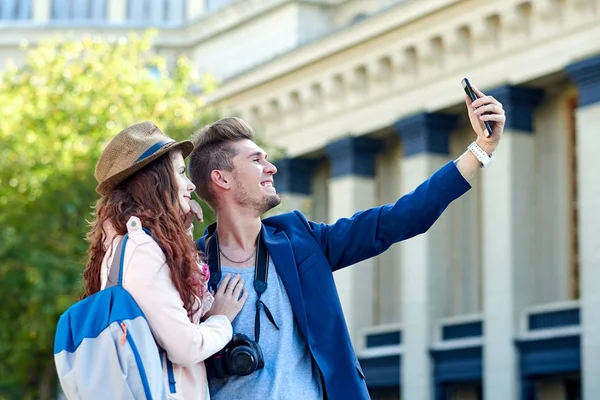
x: 500, y: 299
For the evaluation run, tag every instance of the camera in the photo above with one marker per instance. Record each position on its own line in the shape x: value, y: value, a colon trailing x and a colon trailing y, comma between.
x: 241, y: 356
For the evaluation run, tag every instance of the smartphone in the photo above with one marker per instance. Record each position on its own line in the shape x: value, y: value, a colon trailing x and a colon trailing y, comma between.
x: 469, y: 91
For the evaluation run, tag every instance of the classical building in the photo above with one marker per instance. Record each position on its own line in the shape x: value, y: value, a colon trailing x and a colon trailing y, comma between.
x: 497, y: 300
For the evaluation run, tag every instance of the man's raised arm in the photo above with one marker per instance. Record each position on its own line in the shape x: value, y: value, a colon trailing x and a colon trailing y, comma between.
x: 370, y: 232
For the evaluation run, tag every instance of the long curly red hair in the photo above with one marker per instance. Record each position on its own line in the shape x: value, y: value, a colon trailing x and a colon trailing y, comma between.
x: 151, y: 195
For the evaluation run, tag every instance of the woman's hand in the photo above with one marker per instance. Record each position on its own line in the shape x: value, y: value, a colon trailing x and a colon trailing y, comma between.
x: 195, y: 211
x: 227, y: 298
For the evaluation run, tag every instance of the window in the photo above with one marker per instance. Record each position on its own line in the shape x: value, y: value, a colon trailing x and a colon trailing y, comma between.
x: 79, y: 10
x: 11, y: 10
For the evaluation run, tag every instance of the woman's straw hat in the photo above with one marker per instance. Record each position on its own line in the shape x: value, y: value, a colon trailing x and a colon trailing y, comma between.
x: 132, y: 149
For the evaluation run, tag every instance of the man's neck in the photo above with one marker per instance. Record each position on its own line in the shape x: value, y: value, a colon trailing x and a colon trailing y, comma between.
x: 237, y: 230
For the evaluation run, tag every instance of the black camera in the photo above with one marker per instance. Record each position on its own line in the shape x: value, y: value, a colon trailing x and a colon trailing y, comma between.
x: 242, y: 356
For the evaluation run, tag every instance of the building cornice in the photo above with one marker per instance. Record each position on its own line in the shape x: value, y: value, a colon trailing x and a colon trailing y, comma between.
x: 407, y: 60
x: 338, y: 41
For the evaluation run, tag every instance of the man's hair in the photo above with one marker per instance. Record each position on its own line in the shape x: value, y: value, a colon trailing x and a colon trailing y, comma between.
x: 214, y: 150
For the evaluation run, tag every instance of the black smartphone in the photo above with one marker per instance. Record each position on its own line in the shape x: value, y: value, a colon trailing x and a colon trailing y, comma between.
x: 469, y: 91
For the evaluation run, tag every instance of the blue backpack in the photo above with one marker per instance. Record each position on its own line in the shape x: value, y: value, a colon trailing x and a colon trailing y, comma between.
x: 104, y: 349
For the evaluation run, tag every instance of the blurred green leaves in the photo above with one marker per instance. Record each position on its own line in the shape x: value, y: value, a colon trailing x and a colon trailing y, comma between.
x: 57, y: 112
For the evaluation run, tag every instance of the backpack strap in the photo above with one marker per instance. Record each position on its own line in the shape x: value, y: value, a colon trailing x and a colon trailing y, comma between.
x: 170, y: 373
x: 115, y: 274
x: 115, y: 278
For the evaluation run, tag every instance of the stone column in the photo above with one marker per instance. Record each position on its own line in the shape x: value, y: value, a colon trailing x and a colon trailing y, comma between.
x: 425, y: 259
x: 117, y: 11
x: 294, y: 183
x: 40, y: 10
x: 351, y: 189
x: 508, y: 209
x: 586, y: 74
x: 195, y: 8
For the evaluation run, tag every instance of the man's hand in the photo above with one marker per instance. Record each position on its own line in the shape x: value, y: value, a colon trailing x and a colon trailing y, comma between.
x: 195, y: 211
x: 486, y: 108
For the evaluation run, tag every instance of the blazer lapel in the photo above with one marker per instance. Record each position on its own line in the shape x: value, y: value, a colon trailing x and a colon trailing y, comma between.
x: 280, y: 251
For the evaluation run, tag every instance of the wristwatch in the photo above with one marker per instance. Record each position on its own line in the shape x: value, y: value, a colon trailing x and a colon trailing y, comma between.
x: 481, y: 155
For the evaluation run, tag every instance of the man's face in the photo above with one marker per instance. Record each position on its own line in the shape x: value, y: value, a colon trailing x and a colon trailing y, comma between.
x: 253, y: 185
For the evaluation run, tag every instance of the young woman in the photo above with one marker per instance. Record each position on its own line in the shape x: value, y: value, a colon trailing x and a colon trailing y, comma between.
x: 143, y: 183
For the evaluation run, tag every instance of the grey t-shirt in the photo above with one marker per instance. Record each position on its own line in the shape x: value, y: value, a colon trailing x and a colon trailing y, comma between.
x: 289, y: 371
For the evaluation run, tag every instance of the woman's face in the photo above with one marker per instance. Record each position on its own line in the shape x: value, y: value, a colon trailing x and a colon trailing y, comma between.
x: 184, y: 186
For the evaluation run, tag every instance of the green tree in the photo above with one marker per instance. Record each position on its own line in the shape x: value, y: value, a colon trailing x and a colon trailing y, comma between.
x: 57, y: 112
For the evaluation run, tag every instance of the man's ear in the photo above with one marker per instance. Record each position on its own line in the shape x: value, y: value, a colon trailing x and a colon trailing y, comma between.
x: 221, y: 179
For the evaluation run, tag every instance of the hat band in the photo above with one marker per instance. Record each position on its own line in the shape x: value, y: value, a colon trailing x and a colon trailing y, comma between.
x: 153, y: 149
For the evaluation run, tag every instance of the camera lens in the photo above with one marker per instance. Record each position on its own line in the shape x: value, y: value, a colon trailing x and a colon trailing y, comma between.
x: 243, y: 363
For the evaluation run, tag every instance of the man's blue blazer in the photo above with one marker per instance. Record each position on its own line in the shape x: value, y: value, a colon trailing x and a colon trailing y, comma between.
x: 306, y: 254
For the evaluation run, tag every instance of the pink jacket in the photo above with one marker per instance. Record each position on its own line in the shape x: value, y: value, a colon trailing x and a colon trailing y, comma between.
x: 146, y: 276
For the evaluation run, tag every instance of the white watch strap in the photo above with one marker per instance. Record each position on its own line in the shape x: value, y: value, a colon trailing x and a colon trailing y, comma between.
x: 481, y: 155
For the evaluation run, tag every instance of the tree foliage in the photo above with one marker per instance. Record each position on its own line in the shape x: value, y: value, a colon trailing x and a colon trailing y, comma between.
x: 57, y: 112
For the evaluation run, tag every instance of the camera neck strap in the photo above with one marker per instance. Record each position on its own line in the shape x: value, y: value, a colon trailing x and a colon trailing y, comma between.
x: 261, y: 274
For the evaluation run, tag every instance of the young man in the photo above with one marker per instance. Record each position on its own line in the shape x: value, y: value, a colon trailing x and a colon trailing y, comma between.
x: 304, y: 339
